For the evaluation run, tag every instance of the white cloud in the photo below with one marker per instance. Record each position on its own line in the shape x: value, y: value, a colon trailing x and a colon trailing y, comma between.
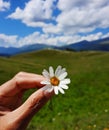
x: 83, y: 16
x: 48, y: 39
x: 36, y: 37
x: 8, y: 40
x: 69, y: 5
x: 106, y: 35
x: 4, y: 5
x: 39, y: 38
x: 34, y: 13
x: 33, y: 38
x: 54, y: 29
x: 75, y: 17
x: 92, y: 37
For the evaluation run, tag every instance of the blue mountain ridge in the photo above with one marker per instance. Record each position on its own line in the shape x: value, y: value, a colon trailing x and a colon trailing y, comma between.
x: 27, y: 48
x: 96, y: 45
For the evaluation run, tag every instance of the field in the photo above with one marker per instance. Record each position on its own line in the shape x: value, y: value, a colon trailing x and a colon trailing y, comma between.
x: 85, y: 106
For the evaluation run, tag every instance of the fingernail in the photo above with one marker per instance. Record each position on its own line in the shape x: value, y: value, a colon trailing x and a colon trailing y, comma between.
x: 48, y: 94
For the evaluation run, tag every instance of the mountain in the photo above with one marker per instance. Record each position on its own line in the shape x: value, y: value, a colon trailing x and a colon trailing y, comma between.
x: 97, y: 45
x: 8, y: 51
x: 34, y: 47
x: 28, y: 48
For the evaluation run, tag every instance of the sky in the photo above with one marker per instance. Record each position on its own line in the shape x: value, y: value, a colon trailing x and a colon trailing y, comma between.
x: 52, y: 22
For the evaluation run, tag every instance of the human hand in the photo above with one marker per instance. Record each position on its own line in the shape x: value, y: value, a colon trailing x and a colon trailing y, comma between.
x: 13, y: 114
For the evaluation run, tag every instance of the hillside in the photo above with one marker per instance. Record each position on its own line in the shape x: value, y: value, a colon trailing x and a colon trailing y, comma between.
x: 85, y: 106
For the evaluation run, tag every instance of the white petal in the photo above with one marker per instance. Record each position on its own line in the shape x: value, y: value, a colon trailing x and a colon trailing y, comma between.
x: 58, y: 70
x: 50, y: 89
x: 45, y: 71
x: 64, y: 86
x: 63, y: 70
x: 45, y: 82
x: 51, y: 71
x: 61, y: 90
x: 46, y: 87
x: 65, y: 81
x: 56, y: 90
x: 46, y: 74
x: 62, y: 76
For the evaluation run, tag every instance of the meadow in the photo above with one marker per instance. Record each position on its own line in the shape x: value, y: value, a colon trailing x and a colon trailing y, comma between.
x: 85, y: 105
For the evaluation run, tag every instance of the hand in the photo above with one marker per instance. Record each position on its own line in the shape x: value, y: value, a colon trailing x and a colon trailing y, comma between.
x: 13, y: 114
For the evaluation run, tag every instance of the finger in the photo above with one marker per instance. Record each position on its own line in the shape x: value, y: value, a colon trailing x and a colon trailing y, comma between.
x: 24, y: 79
x: 33, y: 104
x: 4, y: 110
x: 20, y: 82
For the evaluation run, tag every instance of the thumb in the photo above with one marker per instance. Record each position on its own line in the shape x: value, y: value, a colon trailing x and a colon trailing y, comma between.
x: 32, y: 105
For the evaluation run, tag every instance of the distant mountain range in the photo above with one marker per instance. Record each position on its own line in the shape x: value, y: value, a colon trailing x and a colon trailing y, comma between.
x: 27, y: 48
x: 97, y: 45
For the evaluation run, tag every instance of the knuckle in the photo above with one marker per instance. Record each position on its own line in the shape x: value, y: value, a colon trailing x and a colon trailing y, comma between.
x: 18, y: 78
x: 19, y: 74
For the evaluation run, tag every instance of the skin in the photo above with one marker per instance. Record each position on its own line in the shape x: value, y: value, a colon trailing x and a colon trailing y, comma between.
x: 15, y: 115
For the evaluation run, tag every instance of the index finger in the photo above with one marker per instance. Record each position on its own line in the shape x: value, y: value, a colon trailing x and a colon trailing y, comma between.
x: 21, y: 81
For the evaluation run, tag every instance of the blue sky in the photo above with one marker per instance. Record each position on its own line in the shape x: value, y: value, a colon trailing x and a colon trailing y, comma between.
x: 53, y: 22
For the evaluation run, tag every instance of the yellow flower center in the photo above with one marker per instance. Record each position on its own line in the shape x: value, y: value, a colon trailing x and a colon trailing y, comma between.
x: 54, y: 81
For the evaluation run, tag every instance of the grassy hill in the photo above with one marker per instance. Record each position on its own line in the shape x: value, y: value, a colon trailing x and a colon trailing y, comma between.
x: 85, y: 106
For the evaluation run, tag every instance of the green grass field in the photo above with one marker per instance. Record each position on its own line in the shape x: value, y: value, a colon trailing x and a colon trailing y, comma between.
x: 85, y: 106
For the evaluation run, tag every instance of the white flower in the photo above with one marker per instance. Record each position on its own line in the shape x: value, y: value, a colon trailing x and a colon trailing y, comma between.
x: 55, y: 80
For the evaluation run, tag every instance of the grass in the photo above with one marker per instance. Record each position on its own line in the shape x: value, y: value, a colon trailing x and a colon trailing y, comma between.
x: 85, y: 106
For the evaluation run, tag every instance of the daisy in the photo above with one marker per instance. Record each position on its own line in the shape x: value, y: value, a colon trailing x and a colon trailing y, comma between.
x: 55, y: 80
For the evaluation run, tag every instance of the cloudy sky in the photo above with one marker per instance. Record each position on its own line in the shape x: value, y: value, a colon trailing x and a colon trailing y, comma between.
x: 56, y: 22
